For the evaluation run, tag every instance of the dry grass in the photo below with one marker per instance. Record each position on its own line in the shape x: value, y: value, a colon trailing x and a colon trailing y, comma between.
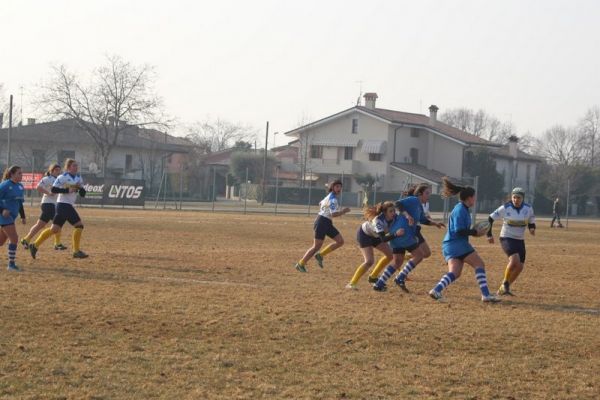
x: 194, y: 305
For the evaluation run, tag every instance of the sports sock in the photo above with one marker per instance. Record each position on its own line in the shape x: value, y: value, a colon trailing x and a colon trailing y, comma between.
x: 328, y: 249
x: 76, y: 239
x: 301, y: 262
x: 482, y: 281
x: 444, y: 282
x: 46, y: 233
x: 57, y: 238
x: 381, y: 264
x: 389, y: 271
x: 12, y: 253
x: 360, y: 271
x: 405, y: 271
x: 27, y: 237
x: 507, y: 273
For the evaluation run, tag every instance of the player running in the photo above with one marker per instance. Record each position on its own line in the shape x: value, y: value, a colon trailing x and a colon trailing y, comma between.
x: 11, y: 205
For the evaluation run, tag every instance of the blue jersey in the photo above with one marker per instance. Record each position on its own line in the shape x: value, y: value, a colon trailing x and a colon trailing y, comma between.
x: 11, y: 198
x: 414, y: 208
x: 406, y: 240
x: 455, y: 245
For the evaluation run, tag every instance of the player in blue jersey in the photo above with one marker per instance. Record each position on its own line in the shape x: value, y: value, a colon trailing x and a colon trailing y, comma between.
x: 404, y: 241
x: 68, y: 186
x: 456, y: 247
x: 329, y: 208
x: 374, y: 233
x: 517, y: 216
x: 48, y: 206
x: 11, y: 206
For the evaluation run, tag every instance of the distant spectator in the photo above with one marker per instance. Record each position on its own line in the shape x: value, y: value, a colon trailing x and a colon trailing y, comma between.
x: 556, y: 210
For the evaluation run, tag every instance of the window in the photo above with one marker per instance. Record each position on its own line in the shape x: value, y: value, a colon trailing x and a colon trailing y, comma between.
x: 39, y: 160
x: 348, y: 153
x: 414, y: 132
x: 128, y: 162
x: 354, y: 125
x: 64, y: 154
x: 414, y: 156
x: 316, y: 151
x: 374, y: 157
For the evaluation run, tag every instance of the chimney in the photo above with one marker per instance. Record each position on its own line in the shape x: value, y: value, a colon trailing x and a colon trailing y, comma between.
x: 370, y: 99
x: 513, y: 145
x: 30, y: 121
x: 433, y: 109
x: 1, y: 119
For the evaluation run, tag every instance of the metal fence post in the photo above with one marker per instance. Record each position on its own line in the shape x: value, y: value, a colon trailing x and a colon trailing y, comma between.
x: 568, y: 201
x: 214, y: 184
x: 309, y: 190
x: 246, y: 190
x: 475, y: 186
x: 32, y: 174
x: 342, y: 193
x: 276, y: 188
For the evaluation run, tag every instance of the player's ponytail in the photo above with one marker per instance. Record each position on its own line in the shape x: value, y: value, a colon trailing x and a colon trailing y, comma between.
x: 450, y: 189
x: 371, y: 212
x: 10, y: 171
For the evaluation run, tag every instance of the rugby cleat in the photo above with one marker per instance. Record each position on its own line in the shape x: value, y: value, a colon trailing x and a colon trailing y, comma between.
x: 373, y: 279
x: 490, y: 299
x: 80, y: 254
x: 25, y: 244
x: 504, y: 290
x: 319, y: 259
x: 33, y: 250
x: 436, y: 295
x: 402, y: 285
x: 351, y: 286
x: 60, y: 246
x: 300, y: 268
x: 13, y: 268
x: 379, y: 288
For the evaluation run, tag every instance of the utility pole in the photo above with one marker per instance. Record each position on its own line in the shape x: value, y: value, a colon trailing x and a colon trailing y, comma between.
x: 264, y: 171
x: 10, y: 108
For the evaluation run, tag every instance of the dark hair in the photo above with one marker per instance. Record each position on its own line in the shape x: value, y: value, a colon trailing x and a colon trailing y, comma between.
x: 332, y: 184
x: 371, y: 212
x: 10, y: 171
x: 51, y: 168
x: 410, y: 190
x: 449, y: 189
x: 420, y: 189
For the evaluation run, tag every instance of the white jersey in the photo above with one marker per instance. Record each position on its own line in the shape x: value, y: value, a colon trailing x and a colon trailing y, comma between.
x: 66, y: 181
x: 376, y: 226
x: 515, y: 220
x: 329, y: 205
x: 426, y: 209
x: 46, y: 183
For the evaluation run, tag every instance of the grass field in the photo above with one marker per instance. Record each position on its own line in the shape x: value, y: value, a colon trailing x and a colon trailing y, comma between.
x: 199, y: 305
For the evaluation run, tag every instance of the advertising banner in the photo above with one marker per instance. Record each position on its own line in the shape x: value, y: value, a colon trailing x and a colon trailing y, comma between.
x: 128, y: 192
x: 30, y: 180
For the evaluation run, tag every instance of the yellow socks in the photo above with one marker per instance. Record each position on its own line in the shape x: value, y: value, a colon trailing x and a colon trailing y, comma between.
x: 46, y: 233
x: 360, y: 271
x: 381, y: 264
x: 327, y: 249
x: 301, y: 262
x: 57, y: 238
x: 76, y: 239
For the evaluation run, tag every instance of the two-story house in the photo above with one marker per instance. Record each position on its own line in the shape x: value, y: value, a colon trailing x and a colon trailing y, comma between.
x: 398, y: 148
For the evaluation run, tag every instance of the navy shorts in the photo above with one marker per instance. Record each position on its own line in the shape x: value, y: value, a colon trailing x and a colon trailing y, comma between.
x: 402, y: 250
x: 513, y: 246
x: 48, y: 212
x: 419, y: 236
x: 463, y: 256
x: 324, y: 227
x: 365, y: 240
x: 65, y: 212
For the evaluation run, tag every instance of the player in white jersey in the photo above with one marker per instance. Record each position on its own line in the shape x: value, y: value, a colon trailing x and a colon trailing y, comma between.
x: 68, y: 186
x: 329, y: 208
x: 517, y: 216
x: 48, y: 206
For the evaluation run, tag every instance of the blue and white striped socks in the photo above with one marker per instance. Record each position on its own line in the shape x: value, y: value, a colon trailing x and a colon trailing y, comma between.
x: 387, y: 273
x: 12, y: 253
x: 444, y: 282
x: 482, y: 281
x: 405, y: 271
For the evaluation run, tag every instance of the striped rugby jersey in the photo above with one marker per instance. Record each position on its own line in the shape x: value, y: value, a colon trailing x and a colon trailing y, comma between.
x: 515, y: 220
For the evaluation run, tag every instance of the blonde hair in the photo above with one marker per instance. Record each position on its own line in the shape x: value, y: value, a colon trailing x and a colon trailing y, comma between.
x: 371, y: 212
x: 68, y: 163
x: 51, y: 168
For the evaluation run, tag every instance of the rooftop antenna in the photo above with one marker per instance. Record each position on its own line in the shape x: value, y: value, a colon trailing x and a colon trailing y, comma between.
x: 360, y: 92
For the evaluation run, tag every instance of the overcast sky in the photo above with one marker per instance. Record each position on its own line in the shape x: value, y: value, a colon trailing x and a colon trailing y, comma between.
x: 535, y: 63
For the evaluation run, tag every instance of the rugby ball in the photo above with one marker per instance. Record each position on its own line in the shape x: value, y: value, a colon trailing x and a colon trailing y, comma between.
x: 482, y: 226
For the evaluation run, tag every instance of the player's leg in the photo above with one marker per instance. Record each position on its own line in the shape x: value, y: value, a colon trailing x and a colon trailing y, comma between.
x: 475, y: 261
x: 10, y: 232
x: 455, y: 266
x: 77, y: 223
x: 398, y: 259
x: 367, y: 253
x: 338, y: 241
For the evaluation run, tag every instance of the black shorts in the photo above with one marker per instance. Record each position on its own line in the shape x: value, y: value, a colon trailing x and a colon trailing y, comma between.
x: 463, y: 256
x: 48, y: 212
x: 365, y: 240
x: 513, y: 246
x: 3, y: 225
x: 419, y: 236
x: 402, y: 250
x: 324, y: 227
x: 65, y: 212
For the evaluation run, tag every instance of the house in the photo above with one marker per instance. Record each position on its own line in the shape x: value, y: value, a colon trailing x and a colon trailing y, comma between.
x: 397, y: 148
x: 138, y: 154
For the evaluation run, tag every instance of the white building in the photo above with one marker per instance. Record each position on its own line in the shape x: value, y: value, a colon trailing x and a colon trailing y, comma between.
x: 397, y: 147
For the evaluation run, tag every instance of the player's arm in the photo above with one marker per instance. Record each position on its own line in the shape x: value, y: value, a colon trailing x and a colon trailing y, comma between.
x: 335, y: 211
x: 22, y: 213
x: 41, y: 188
x: 400, y: 207
x: 462, y: 226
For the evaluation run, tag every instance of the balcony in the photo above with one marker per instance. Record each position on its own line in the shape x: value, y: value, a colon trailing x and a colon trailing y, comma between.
x: 333, y: 166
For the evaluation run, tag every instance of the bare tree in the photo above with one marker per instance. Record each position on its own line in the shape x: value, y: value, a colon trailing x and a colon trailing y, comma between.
x: 479, y: 123
x: 219, y: 134
x: 118, y: 94
x: 561, y: 146
x: 589, y: 128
